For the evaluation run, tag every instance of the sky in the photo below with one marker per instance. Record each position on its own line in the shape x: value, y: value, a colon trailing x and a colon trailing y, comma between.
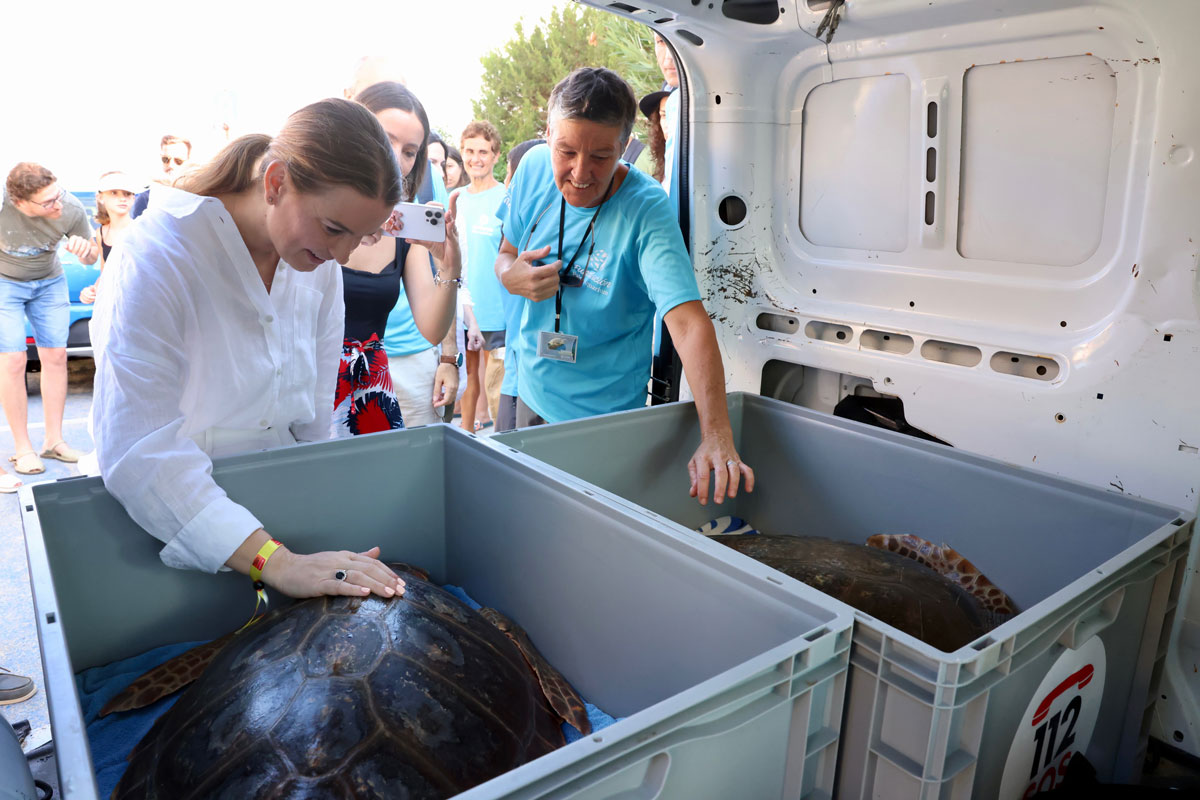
x: 92, y: 87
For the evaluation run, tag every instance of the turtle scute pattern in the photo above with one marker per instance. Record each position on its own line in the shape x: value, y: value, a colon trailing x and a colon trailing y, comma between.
x: 335, y: 697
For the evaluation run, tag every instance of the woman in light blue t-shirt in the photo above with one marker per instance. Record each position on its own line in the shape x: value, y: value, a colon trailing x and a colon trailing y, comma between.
x: 595, y: 249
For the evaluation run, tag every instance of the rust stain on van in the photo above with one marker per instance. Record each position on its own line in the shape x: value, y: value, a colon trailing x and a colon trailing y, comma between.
x: 734, y: 281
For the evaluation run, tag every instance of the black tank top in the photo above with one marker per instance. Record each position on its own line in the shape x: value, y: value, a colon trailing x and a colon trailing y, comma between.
x: 371, y: 296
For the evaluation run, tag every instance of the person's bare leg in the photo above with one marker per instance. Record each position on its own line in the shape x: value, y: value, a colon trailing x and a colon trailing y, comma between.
x: 54, y: 391
x: 483, y: 413
x: 493, y: 378
x: 470, y: 396
x: 12, y: 397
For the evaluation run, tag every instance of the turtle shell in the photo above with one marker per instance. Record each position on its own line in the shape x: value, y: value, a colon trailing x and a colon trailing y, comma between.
x: 890, y: 587
x: 416, y: 696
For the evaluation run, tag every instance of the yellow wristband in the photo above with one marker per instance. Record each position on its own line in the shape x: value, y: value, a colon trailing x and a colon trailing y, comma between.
x: 260, y: 560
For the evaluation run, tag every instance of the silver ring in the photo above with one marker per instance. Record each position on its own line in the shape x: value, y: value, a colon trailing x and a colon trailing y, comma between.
x: 731, y: 463
x: 340, y: 575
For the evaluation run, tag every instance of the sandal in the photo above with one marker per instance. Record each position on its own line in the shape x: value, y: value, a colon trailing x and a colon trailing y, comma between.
x: 62, y: 452
x: 27, y: 463
x: 9, y: 483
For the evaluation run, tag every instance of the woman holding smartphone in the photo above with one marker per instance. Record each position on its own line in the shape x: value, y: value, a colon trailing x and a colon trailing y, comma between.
x: 366, y: 398
x: 217, y: 331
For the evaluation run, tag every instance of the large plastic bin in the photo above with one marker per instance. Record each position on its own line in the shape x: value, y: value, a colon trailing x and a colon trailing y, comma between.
x: 921, y: 723
x: 727, y: 689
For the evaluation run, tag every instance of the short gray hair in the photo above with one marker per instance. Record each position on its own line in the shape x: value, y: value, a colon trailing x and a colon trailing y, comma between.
x: 595, y: 94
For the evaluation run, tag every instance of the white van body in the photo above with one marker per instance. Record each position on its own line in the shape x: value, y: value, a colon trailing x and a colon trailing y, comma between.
x: 990, y: 210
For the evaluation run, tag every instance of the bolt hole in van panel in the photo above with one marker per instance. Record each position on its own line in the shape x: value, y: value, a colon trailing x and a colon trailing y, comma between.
x: 731, y: 209
x: 1025, y: 366
x: 828, y: 332
x: 777, y: 323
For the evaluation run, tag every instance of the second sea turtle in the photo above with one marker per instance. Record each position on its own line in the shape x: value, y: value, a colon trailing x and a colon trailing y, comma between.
x: 929, y: 591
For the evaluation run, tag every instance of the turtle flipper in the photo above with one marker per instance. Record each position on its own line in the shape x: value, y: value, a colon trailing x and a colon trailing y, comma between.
x: 949, y: 563
x: 168, y: 677
x: 562, y: 697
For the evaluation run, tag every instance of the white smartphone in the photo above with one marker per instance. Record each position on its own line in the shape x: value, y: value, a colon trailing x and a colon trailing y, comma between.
x: 422, y: 223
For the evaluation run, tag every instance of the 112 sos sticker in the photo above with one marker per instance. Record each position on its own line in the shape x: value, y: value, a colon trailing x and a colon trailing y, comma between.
x: 1057, y: 724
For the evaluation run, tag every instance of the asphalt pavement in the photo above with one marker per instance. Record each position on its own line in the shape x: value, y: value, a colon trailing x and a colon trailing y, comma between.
x: 19, y: 650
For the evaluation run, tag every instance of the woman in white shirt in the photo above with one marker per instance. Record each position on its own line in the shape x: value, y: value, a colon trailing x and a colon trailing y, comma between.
x: 220, y: 330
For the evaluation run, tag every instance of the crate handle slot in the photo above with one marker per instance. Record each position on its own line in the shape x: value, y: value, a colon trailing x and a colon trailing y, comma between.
x: 1094, y: 620
x: 654, y: 782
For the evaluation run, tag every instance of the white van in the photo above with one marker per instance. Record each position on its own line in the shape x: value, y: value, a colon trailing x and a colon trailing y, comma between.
x: 989, y: 211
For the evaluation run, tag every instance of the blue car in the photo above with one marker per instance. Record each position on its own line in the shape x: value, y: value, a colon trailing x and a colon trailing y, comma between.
x: 79, y: 276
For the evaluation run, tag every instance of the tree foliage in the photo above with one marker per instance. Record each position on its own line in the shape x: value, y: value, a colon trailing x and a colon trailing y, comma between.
x: 519, y: 76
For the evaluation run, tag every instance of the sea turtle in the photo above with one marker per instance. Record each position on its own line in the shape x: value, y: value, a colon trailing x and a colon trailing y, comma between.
x: 926, y: 590
x: 335, y: 697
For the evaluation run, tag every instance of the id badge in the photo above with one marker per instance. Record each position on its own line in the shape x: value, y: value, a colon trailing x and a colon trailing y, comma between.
x: 557, y: 346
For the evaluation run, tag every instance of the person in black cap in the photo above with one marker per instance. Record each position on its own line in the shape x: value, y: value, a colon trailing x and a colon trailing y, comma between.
x: 652, y: 108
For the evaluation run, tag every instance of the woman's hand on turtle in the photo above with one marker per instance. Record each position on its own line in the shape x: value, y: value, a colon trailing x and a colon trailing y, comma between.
x: 716, y: 457
x: 333, y: 572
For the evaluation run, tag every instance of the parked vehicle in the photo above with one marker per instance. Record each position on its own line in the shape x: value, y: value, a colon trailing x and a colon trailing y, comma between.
x: 983, y: 213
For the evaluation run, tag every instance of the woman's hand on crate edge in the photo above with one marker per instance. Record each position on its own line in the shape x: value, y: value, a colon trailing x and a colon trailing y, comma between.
x: 717, y: 456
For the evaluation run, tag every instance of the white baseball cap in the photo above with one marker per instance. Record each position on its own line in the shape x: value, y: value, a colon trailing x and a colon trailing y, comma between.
x: 119, y: 182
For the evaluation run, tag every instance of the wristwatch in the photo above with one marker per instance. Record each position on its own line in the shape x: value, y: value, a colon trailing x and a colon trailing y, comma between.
x: 455, y: 359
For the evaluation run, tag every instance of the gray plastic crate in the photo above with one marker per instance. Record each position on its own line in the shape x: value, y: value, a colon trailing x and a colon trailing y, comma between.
x: 921, y: 723
x: 724, y: 687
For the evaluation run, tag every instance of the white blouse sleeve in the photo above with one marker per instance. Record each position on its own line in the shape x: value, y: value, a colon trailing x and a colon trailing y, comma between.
x: 161, y: 477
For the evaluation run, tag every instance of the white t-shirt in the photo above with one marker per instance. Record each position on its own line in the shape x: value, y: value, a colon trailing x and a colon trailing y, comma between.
x: 194, y: 360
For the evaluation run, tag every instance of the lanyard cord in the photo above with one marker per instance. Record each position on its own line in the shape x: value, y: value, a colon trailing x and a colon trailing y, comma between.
x: 591, y: 231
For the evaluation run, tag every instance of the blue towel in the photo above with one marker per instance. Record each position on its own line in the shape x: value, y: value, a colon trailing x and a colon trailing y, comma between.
x: 727, y: 526
x: 113, y: 737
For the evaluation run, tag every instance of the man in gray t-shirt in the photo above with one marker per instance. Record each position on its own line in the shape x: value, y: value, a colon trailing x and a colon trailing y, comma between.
x: 35, y: 217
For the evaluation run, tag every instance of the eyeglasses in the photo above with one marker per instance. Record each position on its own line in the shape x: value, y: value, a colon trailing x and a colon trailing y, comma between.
x: 52, y: 202
x: 168, y: 159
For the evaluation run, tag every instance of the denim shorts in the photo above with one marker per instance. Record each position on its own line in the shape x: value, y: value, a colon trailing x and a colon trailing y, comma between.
x: 45, y: 302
